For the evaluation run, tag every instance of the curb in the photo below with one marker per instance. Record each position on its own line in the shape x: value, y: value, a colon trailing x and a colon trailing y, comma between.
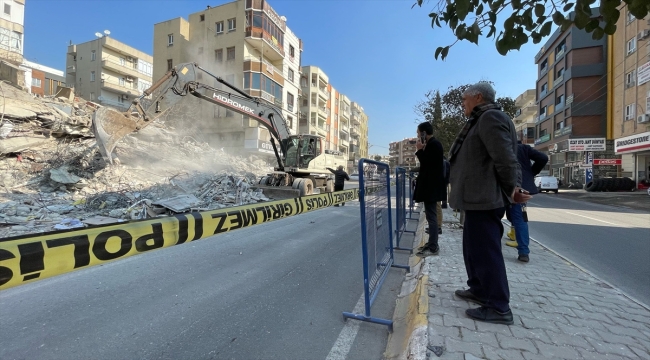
x: 410, y: 319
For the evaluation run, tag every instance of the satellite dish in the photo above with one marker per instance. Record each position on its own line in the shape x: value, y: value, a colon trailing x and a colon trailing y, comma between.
x: 107, y: 32
x: 98, y: 34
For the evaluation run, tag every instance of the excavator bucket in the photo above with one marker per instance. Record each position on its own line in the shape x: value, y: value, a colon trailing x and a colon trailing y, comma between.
x: 110, y: 126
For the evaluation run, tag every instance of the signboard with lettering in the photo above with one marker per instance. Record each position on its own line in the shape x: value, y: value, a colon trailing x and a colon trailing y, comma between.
x: 607, y: 162
x: 590, y: 144
x: 643, y: 73
x: 259, y: 145
x: 543, y: 139
x: 632, y: 143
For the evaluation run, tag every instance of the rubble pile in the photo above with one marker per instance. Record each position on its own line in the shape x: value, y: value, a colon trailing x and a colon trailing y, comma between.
x: 62, y: 182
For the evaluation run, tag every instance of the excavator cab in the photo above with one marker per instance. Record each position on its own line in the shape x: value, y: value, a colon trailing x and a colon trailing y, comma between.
x: 301, y: 150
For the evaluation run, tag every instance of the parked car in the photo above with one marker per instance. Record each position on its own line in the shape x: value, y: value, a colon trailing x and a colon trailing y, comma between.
x: 546, y: 183
x: 354, y: 177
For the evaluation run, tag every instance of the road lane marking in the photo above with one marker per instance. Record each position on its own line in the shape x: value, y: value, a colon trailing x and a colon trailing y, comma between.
x: 346, y: 338
x: 587, y: 217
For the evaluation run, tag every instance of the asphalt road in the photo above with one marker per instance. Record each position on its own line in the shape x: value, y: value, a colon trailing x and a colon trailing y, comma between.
x: 272, y: 291
x: 611, y: 242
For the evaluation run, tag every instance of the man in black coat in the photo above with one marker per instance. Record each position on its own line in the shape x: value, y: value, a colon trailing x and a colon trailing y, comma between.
x: 339, y: 179
x: 429, y: 187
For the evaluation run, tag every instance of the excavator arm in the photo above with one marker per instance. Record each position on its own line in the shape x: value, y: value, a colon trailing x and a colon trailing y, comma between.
x: 110, y: 125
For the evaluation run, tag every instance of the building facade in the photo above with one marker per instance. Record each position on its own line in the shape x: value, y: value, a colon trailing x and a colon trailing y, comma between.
x: 44, y: 80
x: 12, y: 19
x: 525, y: 116
x: 249, y: 45
x: 402, y: 153
x: 108, y: 71
x: 630, y: 101
x: 571, y: 98
x: 358, y: 134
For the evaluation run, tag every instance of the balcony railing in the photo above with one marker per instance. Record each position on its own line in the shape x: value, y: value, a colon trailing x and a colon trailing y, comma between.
x: 558, y: 81
x: 324, y: 111
x: 560, y: 52
x: 543, y: 93
x: 126, y: 88
x: 324, y: 93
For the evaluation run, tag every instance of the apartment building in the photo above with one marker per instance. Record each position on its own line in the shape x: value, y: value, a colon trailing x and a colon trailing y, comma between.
x: 317, y: 103
x: 571, y: 98
x: 525, y: 116
x: 358, y: 134
x: 44, y: 80
x: 249, y: 45
x: 402, y: 153
x: 345, y: 111
x: 630, y: 112
x: 12, y: 17
x: 108, y: 71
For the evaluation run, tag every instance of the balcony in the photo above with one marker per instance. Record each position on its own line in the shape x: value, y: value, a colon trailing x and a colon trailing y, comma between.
x: 345, y: 113
x: 71, y: 69
x: 253, y: 64
x: 322, y: 92
x: 559, y: 106
x: 127, y: 88
x: 125, y: 68
x: 558, y: 81
x: 543, y: 93
x: 560, y: 52
x: 355, y: 119
x: 355, y: 131
x: 322, y: 130
x: 323, y: 111
x: 540, y: 118
x: 259, y: 38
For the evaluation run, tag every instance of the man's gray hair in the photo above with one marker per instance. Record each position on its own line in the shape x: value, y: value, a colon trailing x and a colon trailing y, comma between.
x: 483, y: 88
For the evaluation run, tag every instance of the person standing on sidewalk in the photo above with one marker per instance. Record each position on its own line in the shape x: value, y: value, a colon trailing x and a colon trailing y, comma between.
x: 485, y: 178
x: 429, y: 184
x: 516, y: 212
x: 339, y: 179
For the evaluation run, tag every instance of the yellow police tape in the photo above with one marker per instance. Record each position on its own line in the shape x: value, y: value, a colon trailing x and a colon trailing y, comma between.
x: 23, y: 259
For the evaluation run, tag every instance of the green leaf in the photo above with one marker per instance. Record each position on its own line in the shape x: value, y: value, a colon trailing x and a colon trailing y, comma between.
x: 438, y: 51
x: 598, y: 34
x: 502, y: 47
x: 539, y: 10
x: 566, y: 25
x: 516, y: 4
x: 592, y: 25
x: 567, y: 7
x: 462, y: 9
x: 493, y: 17
x: 461, y: 31
x: 479, y: 10
x: 558, y: 18
x: 492, y: 31
x: 542, y: 19
x: 444, y: 52
x: 509, y: 24
x: 610, y: 29
x: 581, y: 19
x: 453, y: 22
x: 546, y: 29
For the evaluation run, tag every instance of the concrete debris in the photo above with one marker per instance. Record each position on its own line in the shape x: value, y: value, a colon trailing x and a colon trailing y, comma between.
x: 53, y: 177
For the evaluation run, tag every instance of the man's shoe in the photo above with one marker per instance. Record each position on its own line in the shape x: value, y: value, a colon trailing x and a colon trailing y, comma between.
x: 468, y: 296
x: 523, y: 258
x: 511, y: 234
x: 490, y: 315
x: 512, y: 243
x: 427, y: 252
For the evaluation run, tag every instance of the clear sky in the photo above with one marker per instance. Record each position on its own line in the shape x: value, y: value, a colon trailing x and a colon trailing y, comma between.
x: 377, y: 52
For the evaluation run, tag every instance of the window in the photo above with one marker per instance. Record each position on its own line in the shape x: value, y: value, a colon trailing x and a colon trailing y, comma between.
x: 544, y: 89
x: 542, y: 113
x: 218, y: 55
x: 290, y: 100
x: 530, y: 133
x: 291, y: 75
x: 200, y: 50
x: 631, y: 46
x: 120, y: 99
x: 232, y: 24
x: 92, y: 96
x: 218, y: 27
x: 92, y: 76
x: 230, y: 53
x: 93, y: 55
x: 122, y: 61
x: 630, y: 78
x: 292, y: 51
x: 544, y: 65
x: 170, y: 64
x: 560, y: 72
x: 122, y: 81
x: 7, y: 9
x: 559, y: 50
x: 542, y: 132
x: 559, y: 126
x: 170, y: 39
x: 202, y: 17
x: 629, y: 111
x: 559, y: 100
x: 36, y: 82
x: 630, y: 17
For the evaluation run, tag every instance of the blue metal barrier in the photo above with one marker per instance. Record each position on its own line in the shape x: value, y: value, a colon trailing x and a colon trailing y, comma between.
x: 411, y: 178
x: 401, y: 184
x: 376, y: 239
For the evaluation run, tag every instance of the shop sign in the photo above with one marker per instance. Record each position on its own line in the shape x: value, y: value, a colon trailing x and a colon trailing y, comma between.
x: 643, y: 74
x: 632, y: 143
x: 590, y: 144
x: 543, y: 139
x: 607, y: 162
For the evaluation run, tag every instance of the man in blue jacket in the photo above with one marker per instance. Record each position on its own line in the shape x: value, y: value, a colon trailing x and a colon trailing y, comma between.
x: 516, y: 212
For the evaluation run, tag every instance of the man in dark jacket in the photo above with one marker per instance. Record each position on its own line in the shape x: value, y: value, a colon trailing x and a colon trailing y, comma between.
x: 339, y: 179
x: 515, y: 213
x: 429, y: 186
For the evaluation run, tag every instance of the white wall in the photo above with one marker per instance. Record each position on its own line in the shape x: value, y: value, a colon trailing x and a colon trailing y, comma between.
x: 17, y: 12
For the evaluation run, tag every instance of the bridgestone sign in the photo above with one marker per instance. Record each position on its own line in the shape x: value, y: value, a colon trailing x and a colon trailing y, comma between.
x: 632, y: 143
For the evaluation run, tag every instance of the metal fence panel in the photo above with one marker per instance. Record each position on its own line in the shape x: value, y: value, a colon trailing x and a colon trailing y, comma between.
x: 402, y: 185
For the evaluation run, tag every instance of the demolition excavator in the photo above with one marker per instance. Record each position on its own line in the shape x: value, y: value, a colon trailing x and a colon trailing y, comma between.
x: 302, y: 160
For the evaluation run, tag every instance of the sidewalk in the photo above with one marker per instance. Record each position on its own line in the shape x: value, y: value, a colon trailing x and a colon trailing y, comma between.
x: 560, y: 311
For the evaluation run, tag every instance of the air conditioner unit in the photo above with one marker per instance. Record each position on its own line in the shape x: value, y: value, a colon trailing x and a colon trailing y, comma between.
x: 643, y: 119
x: 643, y: 34
x: 128, y: 58
x: 128, y: 78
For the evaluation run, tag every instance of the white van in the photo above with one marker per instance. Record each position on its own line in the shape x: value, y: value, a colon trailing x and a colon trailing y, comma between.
x: 546, y: 183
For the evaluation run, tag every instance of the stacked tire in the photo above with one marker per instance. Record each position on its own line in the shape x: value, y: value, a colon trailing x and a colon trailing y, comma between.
x: 610, y: 184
